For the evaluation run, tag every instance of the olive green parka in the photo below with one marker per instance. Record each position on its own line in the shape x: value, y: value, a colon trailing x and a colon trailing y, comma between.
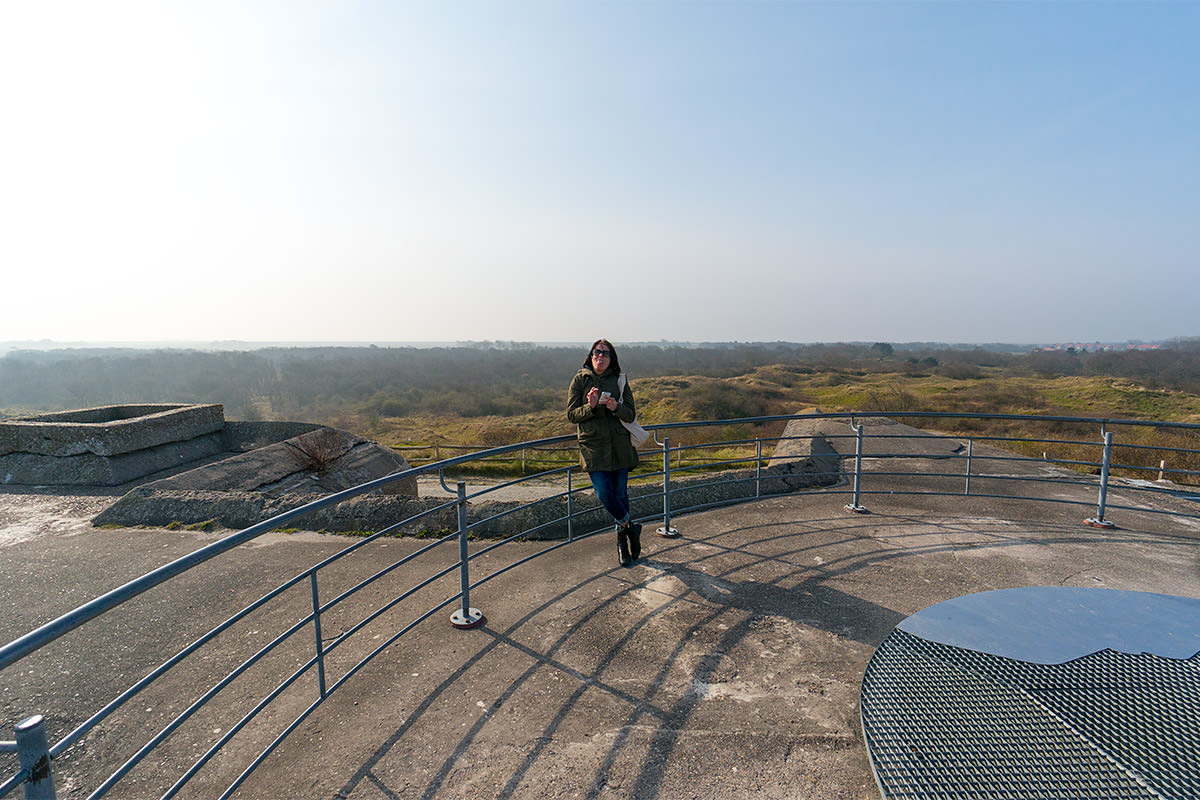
x: 603, y: 441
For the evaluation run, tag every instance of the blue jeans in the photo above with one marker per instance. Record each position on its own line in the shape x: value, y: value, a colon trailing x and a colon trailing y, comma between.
x: 611, y: 488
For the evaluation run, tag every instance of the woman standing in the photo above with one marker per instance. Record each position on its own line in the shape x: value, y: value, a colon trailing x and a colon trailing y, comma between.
x: 597, y: 405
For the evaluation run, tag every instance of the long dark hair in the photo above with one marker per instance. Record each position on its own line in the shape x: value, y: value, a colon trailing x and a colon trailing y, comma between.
x: 614, y: 365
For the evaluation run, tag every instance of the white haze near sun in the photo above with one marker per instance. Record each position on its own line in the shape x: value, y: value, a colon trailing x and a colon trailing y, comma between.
x: 547, y: 171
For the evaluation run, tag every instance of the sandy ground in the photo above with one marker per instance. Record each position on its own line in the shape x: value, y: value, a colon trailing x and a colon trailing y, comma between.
x: 27, y: 514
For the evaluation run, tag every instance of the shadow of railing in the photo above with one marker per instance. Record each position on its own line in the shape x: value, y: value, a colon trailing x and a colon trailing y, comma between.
x: 724, y: 603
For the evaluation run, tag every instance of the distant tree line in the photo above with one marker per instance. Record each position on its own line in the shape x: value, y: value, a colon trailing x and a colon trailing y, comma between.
x: 497, y: 378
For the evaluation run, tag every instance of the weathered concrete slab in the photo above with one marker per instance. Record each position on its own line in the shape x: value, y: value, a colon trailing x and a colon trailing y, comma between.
x: 89, y: 469
x: 243, y: 435
x: 109, y: 430
x: 108, y: 445
x: 324, y: 460
x: 243, y: 489
x: 808, y: 454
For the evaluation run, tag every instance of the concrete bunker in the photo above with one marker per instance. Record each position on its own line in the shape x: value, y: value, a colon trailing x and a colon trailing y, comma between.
x: 185, y: 460
x: 107, y: 445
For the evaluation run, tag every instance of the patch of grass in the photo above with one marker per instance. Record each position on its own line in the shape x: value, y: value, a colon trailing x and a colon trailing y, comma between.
x: 437, y: 533
x: 206, y: 525
x: 423, y: 534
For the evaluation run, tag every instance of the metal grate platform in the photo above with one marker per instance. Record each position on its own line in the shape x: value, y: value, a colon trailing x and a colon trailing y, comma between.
x: 946, y: 722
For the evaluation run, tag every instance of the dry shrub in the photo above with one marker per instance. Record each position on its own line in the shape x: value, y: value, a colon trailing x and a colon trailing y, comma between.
x: 317, y: 450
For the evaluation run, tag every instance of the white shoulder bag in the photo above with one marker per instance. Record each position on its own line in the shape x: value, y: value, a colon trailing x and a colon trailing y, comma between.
x: 638, y: 435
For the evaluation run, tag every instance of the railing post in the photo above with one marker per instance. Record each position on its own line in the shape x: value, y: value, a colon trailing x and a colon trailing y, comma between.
x: 970, y: 451
x: 757, y: 468
x: 34, y: 755
x: 316, y: 603
x: 666, y: 531
x: 855, y: 506
x: 1099, y: 521
x: 465, y: 616
x: 570, y: 506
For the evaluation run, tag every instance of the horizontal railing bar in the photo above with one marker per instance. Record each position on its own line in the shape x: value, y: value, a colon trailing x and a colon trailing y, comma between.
x: 524, y: 534
x: 366, y: 540
x: 1156, y: 448
x: 1034, y: 499
x: 326, y: 606
x: 510, y: 511
x: 197, y: 704
x: 270, y: 749
x: 388, y: 606
x: 237, y: 727
x: 1063, y: 480
x: 1141, y: 510
x: 73, y: 619
x: 1032, y: 440
x: 860, y: 415
x: 46, y: 633
x: 729, y: 501
x: 465, y: 447
x: 14, y: 781
x: 154, y: 674
x: 389, y: 642
x: 136, y: 688
x: 50, y: 631
x: 980, y: 495
x: 519, y: 480
x: 549, y: 549
x: 1145, y: 468
x: 337, y: 684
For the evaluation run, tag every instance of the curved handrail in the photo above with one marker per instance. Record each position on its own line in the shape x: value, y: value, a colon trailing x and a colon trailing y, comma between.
x: 43, y: 635
x: 725, y: 488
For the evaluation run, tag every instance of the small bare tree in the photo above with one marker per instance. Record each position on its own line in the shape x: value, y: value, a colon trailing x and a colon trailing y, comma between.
x: 315, y: 451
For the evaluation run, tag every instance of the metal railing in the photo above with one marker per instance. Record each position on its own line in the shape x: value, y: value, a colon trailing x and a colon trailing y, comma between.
x: 704, y: 474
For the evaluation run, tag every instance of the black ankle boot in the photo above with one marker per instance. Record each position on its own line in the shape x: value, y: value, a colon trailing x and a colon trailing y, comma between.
x: 623, y: 548
x: 634, y: 534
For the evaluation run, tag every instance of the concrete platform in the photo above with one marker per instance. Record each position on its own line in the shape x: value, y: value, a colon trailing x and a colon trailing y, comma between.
x: 726, y: 663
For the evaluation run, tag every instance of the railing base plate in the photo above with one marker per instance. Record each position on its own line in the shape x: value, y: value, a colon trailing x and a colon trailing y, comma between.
x: 472, y: 619
x: 855, y: 509
x: 1100, y: 523
x: 667, y: 533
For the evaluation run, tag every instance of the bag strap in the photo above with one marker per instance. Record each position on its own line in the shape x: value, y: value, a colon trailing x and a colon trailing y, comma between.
x: 621, y: 390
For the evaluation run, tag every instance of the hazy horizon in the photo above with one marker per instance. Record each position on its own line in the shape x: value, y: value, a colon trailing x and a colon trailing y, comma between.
x: 647, y: 171
x: 49, y: 344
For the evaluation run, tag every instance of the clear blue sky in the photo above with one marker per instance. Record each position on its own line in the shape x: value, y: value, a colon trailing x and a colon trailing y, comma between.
x: 560, y: 171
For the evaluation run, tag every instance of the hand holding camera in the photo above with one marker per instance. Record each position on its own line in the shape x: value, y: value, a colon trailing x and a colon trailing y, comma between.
x: 596, y: 397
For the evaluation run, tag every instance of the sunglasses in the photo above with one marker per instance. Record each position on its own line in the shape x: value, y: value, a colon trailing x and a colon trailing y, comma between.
x: 599, y: 352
